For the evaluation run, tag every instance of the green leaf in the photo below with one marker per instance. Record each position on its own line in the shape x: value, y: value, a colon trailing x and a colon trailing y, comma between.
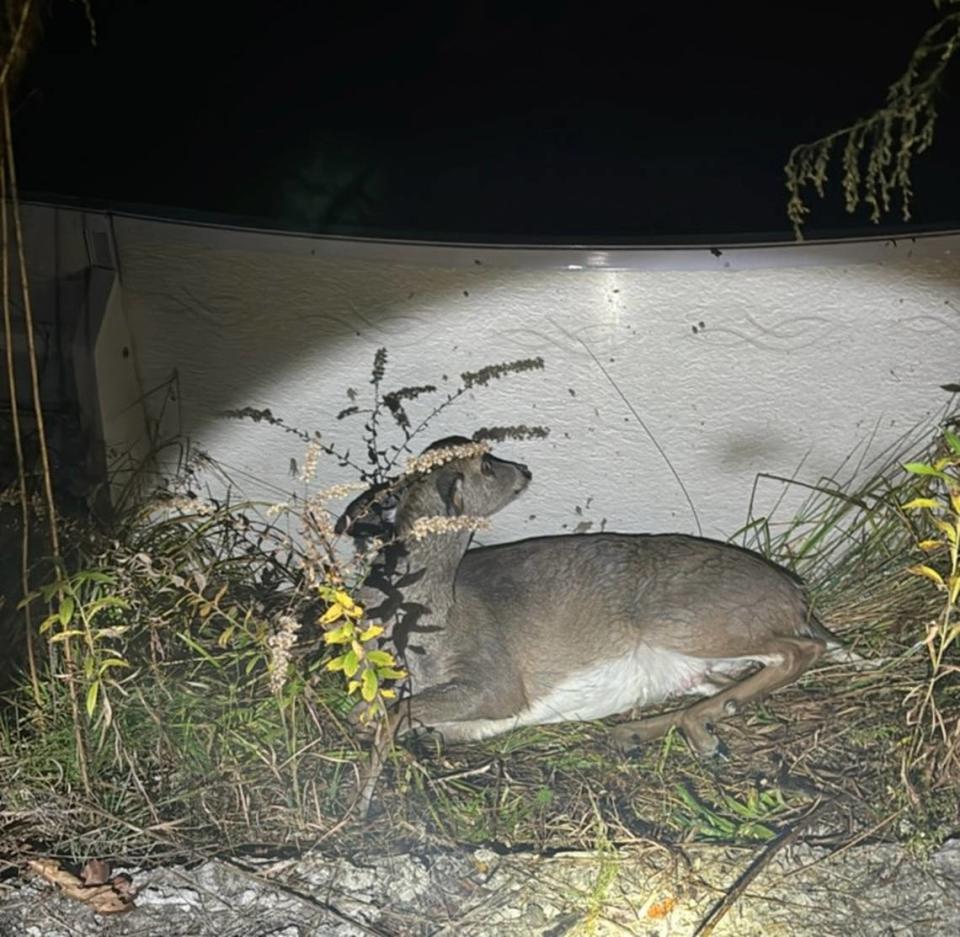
x: 688, y: 798
x: 112, y: 662
x: 340, y: 635
x: 351, y: 663
x: 369, y: 685
x: 757, y: 831
x: 92, y: 692
x: 381, y: 658
x: 66, y: 610
x: 772, y: 798
x: 953, y: 441
x: 748, y: 811
x: 725, y: 826
x: 921, y: 468
x: 26, y: 600
x: 543, y: 797
x: 48, y: 590
x: 390, y: 673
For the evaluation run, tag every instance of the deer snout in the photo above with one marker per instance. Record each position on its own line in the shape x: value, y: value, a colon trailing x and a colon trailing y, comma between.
x: 525, y: 476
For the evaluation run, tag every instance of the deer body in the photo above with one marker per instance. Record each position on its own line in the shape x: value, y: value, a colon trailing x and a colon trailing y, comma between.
x: 579, y: 627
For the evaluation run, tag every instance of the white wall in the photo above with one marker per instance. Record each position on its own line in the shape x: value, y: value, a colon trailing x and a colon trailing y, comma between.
x: 805, y: 353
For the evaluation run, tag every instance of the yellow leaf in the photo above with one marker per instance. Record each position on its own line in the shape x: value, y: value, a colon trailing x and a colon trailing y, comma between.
x: 390, y: 673
x: 65, y: 635
x: 955, y: 499
x: 336, y: 663
x: 368, y: 689
x: 930, y: 545
x: 372, y: 632
x: 392, y: 694
x: 946, y: 529
x: 353, y: 686
x: 330, y: 615
x: 928, y: 573
x: 357, y: 648
x: 344, y: 599
x: 954, y: 588
x: 918, y: 503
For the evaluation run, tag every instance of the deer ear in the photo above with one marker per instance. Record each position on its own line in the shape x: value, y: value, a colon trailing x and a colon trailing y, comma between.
x: 453, y: 496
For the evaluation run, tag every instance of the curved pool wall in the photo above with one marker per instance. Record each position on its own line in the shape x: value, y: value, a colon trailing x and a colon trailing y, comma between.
x: 675, y: 379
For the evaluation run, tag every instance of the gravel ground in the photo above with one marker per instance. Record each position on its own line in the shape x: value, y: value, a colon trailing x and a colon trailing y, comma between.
x: 873, y: 890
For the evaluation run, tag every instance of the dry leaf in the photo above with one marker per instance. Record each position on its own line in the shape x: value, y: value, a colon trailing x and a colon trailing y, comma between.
x: 123, y: 885
x: 113, y: 898
x: 662, y: 908
x: 95, y: 872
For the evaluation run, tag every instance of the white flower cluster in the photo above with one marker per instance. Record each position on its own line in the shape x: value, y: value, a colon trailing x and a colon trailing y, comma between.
x: 424, y: 527
x: 187, y: 505
x: 434, y: 457
x: 314, y: 448
x: 281, y: 642
x: 338, y: 492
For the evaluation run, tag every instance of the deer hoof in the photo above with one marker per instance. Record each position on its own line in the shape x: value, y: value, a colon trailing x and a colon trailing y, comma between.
x: 425, y: 744
x: 704, y: 741
x: 626, y: 740
x: 721, y: 753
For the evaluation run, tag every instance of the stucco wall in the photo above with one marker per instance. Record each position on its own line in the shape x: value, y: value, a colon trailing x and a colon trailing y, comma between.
x: 782, y: 360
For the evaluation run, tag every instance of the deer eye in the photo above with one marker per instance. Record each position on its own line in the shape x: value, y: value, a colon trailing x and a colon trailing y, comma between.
x: 486, y: 466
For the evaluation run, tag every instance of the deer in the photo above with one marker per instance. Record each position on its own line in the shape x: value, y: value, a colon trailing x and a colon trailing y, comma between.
x: 573, y: 627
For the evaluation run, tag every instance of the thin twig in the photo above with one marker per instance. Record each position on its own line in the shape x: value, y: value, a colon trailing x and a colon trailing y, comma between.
x: 719, y: 910
x: 17, y: 443
x: 78, y: 727
x: 15, y: 43
x: 644, y: 427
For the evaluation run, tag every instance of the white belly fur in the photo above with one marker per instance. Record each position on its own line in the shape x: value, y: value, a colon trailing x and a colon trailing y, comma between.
x: 642, y: 677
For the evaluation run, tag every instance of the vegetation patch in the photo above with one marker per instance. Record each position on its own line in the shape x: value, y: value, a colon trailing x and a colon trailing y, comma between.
x: 223, y: 667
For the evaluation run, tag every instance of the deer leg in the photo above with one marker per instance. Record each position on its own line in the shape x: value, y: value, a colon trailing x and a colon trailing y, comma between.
x: 796, y: 655
x: 458, y: 711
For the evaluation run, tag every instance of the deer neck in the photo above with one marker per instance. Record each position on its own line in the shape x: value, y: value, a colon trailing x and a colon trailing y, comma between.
x: 435, y: 560
x: 427, y: 594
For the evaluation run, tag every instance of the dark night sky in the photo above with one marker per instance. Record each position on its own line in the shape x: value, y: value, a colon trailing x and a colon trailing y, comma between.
x: 468, y: 119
